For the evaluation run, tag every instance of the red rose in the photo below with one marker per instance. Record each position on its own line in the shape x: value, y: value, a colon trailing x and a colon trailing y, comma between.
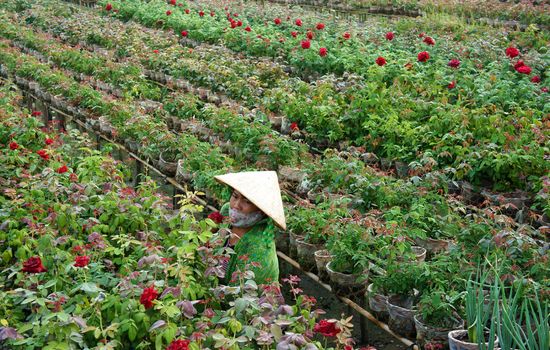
x: 149, y: 294
x: 233, y: 24
x: 454, y: 63
x: 108, y: 7
x: 216, y: 216
x: 389, y: 36
x: 239, y: 24
x: 62, y: 169
x: 212, y: 14
x: 421, y: 35
x: 323, y: 51
x: 512, y: 52
x: 48, y: 141
x: 294, y: 34
x: 184, y: 33
x: 187, y: 11
x: 168, y: 13
x: 524, y: 70
x: 179, y: 345
x: 428, y: 40
x: 518, y: 64
x: 535, y: 79
x: 326, y: 328
x: 173, y: 2
x: 348, y: 347
x: 544, y: 89
x: 294, y: 126
x: 277, y: 21
x: 43, y: 154
x: 155, y: 51
x: 320, y: 26
x: 451, y: 85
x: 298, y: 22
x: 34, y: 265
x: 347, y: 35
x: 380, y: 61
x: 248, y: 29
x: 306, y: 44
x: 14, y: 146
x: 201, y: 13
x: 36, y: 113
x: 309, y: 35
x: 81, y: 261
x: 423, y: 56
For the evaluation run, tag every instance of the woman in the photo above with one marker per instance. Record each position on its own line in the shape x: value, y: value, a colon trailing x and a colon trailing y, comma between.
x: 255, y: 207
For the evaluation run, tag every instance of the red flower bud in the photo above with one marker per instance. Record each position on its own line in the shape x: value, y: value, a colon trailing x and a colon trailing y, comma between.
x: 14, y: 146
x: 48, y: 141
x: 306, y: 44
x: 168, y: 13
x: 248, y: 29
x: 423, y: 56
x: 320, y: 26
x: 81, y: 261
x: 454, y: 63
x: 62, y: 169
x: 512, y: 52
x: 389, y: 36
x: 347, y: 35
x: 277, y: 21
x: 323, y: 51
x: 184, y: 33
x: 298, y: 22
x: 108, y: 7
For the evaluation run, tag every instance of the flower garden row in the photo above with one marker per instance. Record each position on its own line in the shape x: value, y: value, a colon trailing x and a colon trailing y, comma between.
x: 482, y: 160
x: 77, y: 272
x: 346, y: 239
x: 525, y: 11
x: 394, y: 119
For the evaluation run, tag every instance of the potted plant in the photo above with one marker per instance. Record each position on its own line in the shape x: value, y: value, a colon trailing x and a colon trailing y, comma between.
x: 436, y: 317
x: 348, y: 270
x: 401, y: 285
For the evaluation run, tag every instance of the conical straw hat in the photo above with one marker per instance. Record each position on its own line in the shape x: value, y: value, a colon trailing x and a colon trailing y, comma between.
x: 262, y: 189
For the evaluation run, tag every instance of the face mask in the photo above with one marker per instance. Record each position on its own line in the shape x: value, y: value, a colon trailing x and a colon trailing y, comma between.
x: 242, y: 220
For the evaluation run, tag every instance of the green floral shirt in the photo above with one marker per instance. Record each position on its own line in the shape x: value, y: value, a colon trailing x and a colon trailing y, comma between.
x: 258, y: 245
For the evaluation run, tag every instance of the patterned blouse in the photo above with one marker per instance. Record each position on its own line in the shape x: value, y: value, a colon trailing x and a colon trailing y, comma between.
x: 256, y: 248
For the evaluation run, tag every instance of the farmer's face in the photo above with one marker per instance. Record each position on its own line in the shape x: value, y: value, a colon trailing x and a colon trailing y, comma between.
x: 240, y: 203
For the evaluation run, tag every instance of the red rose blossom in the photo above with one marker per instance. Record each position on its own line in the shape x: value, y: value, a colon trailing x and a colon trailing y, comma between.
x: 187, y: 11
x: 298, y: 22
x: 306, y: 44
x: 14, y: 146
x: 201, y: 13
x: 184, y: 33
x: 390, y: 36
x: 149, y: 294
x: 451, y: 85
x: 239, y: 23
x: 108, y: 7
x: 168, y: 13
x: 48, y: 141
x: 36, y: 113
x: 81, y: 261
x: 173, y: 2
x: 43, y: 154
x: 212, y: 13
x: 294, y: 34
x: 309, y: 35
x: 524, y: 70
x: 535, y: 79
x: 179, y: 345
x: 454, y: 63
x: 323, y: 51
x: 347, y: 35
x: 428, y: 40
x: 216, y: 216
x: 248, y: 29
x: 34, y: 265
x: 155, y: 51
x: 294, y: 126
x: 423, y: 56
x: 62, y: 169
x: 277, y: 21
x: 518, y: 64
x: 544, y: 89
x: 512, y: 52
x: 326, y: 328
x: 320, y: 26
x: 380, y: 61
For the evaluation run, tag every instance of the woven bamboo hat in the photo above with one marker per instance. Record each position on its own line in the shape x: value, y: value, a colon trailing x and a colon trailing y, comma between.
x: 262, y: 189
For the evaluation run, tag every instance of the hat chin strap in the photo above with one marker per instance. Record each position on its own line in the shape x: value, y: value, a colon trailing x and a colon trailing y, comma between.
x: 242, y: 220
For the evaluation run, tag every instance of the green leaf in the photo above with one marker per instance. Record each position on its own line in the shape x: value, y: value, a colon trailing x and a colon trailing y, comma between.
x: 90, y: 287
